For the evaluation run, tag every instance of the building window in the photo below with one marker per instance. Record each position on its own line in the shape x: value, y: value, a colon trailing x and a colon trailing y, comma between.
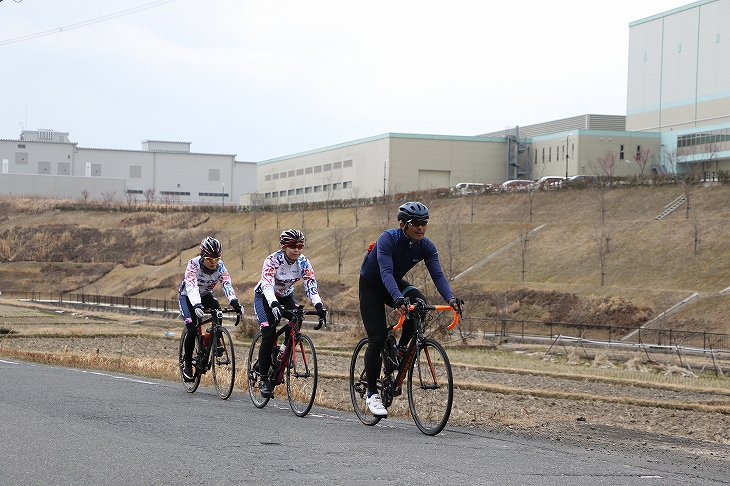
x: 308, y: 190
x: 543, y: 155
x: 550, y: 154
x: 300, y: 191
x: 337, y: 165
x: 300, y: 172
x: 282, y: 175
x: 317, y: 188
x: 317, y: 168
x: 267, y: 177
x: 290, y: 192
x: 291, y: 173
x: 347, y: 185
x: 325, y: 187
x: 336, y: 186
x: 621, y: 153
x: 177, y: 193
x: 308, y: 170
x: 347, y: 163
x: 135, y: 191
x: 214, y: 175
x: 282, y: 193
x: 327, y: 167
x: 135, y: 171
x: 64, y: 168
x: 21, y: 145
x: 267, y: 195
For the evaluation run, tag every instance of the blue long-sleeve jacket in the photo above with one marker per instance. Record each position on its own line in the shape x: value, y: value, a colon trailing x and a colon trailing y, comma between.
x: 394, y: 254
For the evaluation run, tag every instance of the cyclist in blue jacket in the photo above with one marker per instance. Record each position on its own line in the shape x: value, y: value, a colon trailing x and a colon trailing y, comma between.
x: 394, y: 253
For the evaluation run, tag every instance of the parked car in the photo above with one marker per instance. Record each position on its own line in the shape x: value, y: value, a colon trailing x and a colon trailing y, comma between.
x: 470, y: 188
x: 550, y: 182
x: 582, y: 179
x: 517, y: 185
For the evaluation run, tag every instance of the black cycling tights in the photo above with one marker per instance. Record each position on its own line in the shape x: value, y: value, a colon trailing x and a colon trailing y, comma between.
x: 372, y: 302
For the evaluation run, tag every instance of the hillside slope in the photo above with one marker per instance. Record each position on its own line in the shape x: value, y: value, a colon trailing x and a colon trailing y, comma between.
x: 652, y: 264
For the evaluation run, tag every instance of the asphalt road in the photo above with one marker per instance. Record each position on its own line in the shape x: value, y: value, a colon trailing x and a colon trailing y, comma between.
x: 68, y: 426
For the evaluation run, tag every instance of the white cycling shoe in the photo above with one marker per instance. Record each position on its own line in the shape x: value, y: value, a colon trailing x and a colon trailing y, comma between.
x: 375, y: 404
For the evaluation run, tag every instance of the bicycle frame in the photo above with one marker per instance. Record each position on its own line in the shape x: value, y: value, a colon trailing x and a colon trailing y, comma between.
x: 204, y: 362
x: 416, y: 312
x: 424, y: 368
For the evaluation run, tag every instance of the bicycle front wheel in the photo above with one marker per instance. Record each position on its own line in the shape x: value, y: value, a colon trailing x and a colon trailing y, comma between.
x: 190, y: 386
x: 430, y: 387
x: 301, y: 376
x: 223, y: 362
x: 359, y: 385
x: 254, y: 374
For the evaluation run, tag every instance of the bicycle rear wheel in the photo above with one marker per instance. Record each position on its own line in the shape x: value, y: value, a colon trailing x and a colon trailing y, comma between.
x: 430, y: 387
x: 190, y: 386
x: 359, y: 385
x: 223, y: 362
x: 254, y: 374
x: 301, y: 376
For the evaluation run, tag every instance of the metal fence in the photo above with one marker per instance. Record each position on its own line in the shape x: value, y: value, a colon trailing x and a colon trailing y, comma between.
x: 469, y: 328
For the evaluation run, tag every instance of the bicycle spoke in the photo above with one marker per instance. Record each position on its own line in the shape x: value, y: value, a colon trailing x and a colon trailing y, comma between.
x: 430, y: 388
x: 358, y: 385
x: 301, y: 376
x: 190, y: 386
x: 253, y: 373
x: 224, y: 363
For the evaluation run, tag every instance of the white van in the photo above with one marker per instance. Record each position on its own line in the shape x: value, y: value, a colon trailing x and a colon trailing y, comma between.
x: 469, y: 188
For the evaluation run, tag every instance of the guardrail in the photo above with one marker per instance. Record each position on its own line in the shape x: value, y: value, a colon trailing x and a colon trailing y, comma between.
x: 470, y: 327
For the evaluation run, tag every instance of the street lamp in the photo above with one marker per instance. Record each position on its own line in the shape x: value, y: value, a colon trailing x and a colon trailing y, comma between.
x: 384, y: 174
x: 567, y: 140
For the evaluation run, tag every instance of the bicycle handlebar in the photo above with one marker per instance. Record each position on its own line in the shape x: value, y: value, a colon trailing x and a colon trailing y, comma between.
x: 291, y: 313
x: 431, y: 307
x: 225, y: 310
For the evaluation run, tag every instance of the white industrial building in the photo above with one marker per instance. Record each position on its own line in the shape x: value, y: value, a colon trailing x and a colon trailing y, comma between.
x: 45, y: 163
x: 677, y: 117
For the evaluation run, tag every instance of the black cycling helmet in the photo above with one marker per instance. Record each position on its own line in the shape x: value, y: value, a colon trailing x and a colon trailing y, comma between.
x: 210, y: 248
x: 291, y: 237
x: 412, y: 210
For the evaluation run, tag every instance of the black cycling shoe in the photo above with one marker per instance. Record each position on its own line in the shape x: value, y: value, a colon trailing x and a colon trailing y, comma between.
x: 265, y: 388
x: 188, y: 373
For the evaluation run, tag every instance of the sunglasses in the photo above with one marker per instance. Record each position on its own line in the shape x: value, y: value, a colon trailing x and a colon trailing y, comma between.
x: 417, y: 222
x: 297, y: 246
x: 211, y: 260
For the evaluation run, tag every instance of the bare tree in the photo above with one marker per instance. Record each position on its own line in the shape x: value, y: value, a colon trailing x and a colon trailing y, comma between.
x: 108, y: 197
x: 710, y: 161
x: 256, y: 207
x: 131, y: 198
x: 524, y: 231
x: 302, y: 206
x: 338, y: 235
x: 687, y: 156
x: 602, y: 239
x: 269, y: 245
x: 278, y: 212
x: 451, y: 250
x: 355, y: 202
x: 85, y: 195
x: 696, y: 234
x: 603, y: 168
x: 329, y: 197
x: 241, y: 255
x: 149, y: 195
x: 642, y: 160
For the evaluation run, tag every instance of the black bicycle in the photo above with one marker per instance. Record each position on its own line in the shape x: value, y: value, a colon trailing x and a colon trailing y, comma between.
x: 425, y: 363
x: 296, y: 363
x: 213, y: 351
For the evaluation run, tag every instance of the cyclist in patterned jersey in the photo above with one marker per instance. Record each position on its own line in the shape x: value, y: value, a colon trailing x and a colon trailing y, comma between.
x: 196, y: 292
x: 274, y: 291
x: 394, y: 253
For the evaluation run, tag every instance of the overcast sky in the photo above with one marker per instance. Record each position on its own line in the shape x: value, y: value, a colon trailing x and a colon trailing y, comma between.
x: 264, y: 79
